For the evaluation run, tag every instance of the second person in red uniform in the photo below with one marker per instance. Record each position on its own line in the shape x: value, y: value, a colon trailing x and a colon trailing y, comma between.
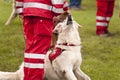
x: 103, y: 15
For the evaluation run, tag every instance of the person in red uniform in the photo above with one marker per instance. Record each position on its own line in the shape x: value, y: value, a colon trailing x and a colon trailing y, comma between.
x: 103, y: 15
x: 38, y: 25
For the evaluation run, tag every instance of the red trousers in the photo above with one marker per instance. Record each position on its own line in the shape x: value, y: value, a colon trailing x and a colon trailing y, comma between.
x: 38, y: 33
x: 103, y: 15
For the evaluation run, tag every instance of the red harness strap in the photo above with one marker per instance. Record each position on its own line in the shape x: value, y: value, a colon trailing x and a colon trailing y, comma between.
x: 55, y: 53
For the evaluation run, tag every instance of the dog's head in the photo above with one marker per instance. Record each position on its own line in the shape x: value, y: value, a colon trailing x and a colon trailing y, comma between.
x: 67, y: 23
x: 67, y: 30
x: 62, y: 17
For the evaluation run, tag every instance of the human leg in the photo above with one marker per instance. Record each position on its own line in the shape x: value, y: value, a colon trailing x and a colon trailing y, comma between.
x: 38, y: 32
x: 72, y: 3
x: 104, y: 13
x: 78, y: 3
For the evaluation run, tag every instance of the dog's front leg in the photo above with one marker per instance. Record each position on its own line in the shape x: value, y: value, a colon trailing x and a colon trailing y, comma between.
x: 81, y: 75
x: 69, y: 75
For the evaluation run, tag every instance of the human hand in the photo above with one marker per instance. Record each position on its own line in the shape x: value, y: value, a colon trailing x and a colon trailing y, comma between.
x: 56, y: 18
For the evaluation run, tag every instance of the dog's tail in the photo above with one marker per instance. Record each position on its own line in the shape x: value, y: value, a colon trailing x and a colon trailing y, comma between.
x: 18, y: 75
x: 8, y: 76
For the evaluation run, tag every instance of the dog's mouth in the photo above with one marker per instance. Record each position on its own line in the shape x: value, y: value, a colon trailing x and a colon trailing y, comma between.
x: 69, y: 21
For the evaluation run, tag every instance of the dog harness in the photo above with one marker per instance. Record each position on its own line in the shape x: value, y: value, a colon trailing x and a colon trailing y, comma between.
x: 55, y: 53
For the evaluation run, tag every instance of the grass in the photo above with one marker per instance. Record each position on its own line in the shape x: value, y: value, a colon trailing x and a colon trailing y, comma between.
x: 101, y: 56
x: 11, y: 40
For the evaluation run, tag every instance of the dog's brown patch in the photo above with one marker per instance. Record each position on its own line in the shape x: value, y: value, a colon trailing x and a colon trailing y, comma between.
x: 62, y: 18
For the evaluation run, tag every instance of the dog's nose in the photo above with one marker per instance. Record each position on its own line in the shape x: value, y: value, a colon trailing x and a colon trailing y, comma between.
x: 69, y: 20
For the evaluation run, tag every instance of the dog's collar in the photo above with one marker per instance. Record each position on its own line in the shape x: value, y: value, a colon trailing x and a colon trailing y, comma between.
x: 66, y: 44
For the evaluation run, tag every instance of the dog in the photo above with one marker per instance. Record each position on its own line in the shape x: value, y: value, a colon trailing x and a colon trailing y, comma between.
x: 66, y: 66
x: 63, y: 63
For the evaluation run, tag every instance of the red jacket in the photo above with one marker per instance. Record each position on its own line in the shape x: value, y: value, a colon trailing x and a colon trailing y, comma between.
x: 42, y: 8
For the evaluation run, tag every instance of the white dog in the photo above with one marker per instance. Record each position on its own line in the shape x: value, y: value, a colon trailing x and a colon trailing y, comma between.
x: 65, y: 66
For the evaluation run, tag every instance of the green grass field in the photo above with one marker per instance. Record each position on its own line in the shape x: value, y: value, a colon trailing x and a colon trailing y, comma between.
x: 101, y: 56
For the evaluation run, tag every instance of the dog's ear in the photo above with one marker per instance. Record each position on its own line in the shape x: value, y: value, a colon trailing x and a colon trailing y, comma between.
x: 79, y: 26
